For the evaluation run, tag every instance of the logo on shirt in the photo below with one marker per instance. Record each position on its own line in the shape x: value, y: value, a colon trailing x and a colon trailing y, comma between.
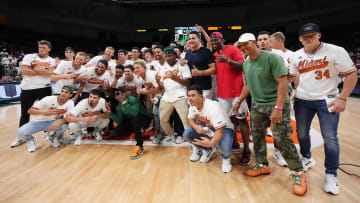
x: 87, y: 114
x: 37, y: 64
x: 310, y: 65
x: 96, y: 81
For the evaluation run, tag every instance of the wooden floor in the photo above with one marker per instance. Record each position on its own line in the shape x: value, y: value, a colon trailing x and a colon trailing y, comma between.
x: 104, y: 173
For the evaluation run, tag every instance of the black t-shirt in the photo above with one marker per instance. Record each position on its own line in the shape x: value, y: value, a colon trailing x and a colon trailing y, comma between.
x: 201, y: 59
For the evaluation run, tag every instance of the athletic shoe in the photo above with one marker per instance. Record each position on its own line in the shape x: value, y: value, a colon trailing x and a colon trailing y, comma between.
x: 149, y: 129
x: 69, y: 140
x: 307, y: 163
x: 137, y: 153
x: 47, y: 135
x: 179, y: 140
x: 268, y: 132
x: 32, y: 144
x: 157, y: 139
x: 236, y: 146
x: 207, y: 154
x: 18, y: 141
x: 245, y: 159
x: 280, y: 159
x: 226, y: 165
x: 78, y: 141
x: 195, y: 156
x: 257, y: 170
x: 170, y: 138
x: 331, y: 185
x: 55, y: 142
x: 299, y: 184
x: 98, y: 137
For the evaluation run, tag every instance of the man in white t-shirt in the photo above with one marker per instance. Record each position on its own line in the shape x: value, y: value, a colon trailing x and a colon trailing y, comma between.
x: 48, y: 115
x: 67, y: 72
x: 69, y: 54
x: 174, y: 79
x: 36, y: 70
x: 95, y: 78
x: 209, y: 125
x: 121, y: 59
x: 90, y: 112
x: 131, y: 83
x: 319, y: 65
x: 108, y: 53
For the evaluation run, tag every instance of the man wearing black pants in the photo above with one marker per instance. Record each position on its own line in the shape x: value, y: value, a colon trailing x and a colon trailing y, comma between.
x: 130, y: 115
x: 36, y: 69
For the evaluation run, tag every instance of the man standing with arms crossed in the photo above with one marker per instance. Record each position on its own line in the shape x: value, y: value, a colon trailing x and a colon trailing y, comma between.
x: 266, y: 81
x: 319, y: 65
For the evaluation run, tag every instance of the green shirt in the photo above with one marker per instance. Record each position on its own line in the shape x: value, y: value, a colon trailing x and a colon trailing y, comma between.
x: 130, y: 109
x: 260, y: 77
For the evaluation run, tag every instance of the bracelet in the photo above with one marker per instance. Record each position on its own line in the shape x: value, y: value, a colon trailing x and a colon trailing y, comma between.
x: 279, y: 107
x: 228, y: 61
x: 342, y: 99
x: 108, y: 111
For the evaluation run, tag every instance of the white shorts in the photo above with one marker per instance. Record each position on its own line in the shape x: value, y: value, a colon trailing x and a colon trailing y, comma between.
x: 228, y: 103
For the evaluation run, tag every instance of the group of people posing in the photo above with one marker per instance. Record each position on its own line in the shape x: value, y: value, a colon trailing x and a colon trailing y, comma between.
x: 202, y: 96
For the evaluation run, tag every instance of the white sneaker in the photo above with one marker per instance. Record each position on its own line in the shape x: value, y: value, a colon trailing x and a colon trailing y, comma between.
x: 179, y: 140
x: 170, y: 138
x: 206, y: 155
x: 195, y: 156
x: 77, y: 141
x: 47, y: 135
x: 307, y: 163
x: 268, y: 132
x: 18, y: 141
x: 331, y: 185
x: 32, y: 144
x: 98, y: 137
x: 55, y: 142
x: 279, y: 158
x: 149, y: 129
x: 226, y: 165
x: 157, y: 139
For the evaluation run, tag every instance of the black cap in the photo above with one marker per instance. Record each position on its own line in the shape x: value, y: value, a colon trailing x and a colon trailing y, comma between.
x: 69, y: 49
x: 309, y: 28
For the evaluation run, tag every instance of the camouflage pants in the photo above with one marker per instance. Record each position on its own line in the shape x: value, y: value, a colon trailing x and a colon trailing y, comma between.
x: 260, y: 119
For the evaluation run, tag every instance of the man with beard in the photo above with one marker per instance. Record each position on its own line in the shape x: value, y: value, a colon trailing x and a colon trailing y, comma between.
x: 131, y: 83
x: 90, y: 112
x: 118, y: 74
x: 95, y: 78
x: 108, y: 53
x: 47, y: 116
x: 229, y: 77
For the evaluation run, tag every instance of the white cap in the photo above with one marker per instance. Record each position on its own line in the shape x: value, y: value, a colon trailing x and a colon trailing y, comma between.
x: 143, y: 49
x: 246, y: 37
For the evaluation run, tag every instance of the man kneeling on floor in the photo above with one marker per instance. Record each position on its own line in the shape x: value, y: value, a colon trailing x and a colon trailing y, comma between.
x: 130, y: 116
x: 214, y: 126
x: 47, y: 115
x: 87, y: 113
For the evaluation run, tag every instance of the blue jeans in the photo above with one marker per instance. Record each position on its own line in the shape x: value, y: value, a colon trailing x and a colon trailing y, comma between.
x: 304, y: 114
x: 156, y: 113
x: 32, y: 127
x: 225, y: 143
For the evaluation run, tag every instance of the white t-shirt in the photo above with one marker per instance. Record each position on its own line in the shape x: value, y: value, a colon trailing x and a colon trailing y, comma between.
x: 111, y: 64
x: 319, y: 72
x: 51, y: 102
x: 211, y: 114
x: 66, y: 67
x: 83, y: 109
x: 173, y: 89
x: 158, y: 67
x: 37, y: 81
x: 286, y: 56
x: 133, y: 87
x: 94, y: 81
x: 150, y: 79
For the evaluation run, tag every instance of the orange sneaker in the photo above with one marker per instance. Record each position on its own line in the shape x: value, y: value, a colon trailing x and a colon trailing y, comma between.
x: 137, y: 153
x: 299, y: 184
x: 257, y: 170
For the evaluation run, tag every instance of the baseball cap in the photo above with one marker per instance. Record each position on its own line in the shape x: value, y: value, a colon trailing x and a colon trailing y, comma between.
x: 143, y: 49
x: 69, y: 88
x: 217, y: 34
x: 246, y: 37
x: 309, y: 28
x: 169, y: 50
x: 69, y: 49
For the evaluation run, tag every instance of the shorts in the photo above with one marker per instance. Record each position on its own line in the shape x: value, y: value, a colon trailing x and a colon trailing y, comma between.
x: 228, y: 103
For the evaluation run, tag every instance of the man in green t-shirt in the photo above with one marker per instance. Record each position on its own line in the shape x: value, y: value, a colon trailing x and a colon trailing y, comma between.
x: 266, y: 81
x: 130, y: 113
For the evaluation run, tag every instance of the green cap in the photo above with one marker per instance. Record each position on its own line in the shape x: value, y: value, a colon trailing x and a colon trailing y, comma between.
x: 169, y: 50
x: 69, y: 88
